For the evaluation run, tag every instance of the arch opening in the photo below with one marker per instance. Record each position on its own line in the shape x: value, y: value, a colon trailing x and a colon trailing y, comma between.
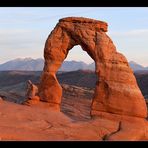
x: 78, y: 79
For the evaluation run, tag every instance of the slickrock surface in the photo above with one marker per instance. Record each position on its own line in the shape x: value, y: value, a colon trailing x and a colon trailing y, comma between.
x: 39, y: 123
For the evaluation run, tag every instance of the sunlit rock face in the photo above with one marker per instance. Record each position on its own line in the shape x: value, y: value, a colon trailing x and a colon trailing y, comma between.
x: 116, y: 89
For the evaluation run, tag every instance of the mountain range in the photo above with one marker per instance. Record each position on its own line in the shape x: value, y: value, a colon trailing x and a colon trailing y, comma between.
x: 137, y: 67
x: 29, y: 64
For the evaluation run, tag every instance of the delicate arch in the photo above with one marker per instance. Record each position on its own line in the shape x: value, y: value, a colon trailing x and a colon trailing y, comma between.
x: 116, y: 90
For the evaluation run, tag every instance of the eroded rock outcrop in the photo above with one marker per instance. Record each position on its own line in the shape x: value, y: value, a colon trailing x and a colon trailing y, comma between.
x: 116, y: 90
x: 31, y: 94
x: 1, y: 99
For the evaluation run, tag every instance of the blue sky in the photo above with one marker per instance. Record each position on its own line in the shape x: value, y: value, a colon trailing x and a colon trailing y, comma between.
x: 23, y: 31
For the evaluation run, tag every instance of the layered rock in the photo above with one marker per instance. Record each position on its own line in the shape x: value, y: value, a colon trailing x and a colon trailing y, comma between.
x: 116, y: 90
x: 70, y: 91
x: 76, y: 101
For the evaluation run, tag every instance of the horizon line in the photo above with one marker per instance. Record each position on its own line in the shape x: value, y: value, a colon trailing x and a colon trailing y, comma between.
x: 64, y: 60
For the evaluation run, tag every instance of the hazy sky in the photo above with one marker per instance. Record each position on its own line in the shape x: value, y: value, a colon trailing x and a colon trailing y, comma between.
x: 23, y: 31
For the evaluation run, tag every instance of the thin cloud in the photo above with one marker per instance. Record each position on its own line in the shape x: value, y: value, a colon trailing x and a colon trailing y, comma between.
x: 130, y: 33
x: 133, y: 44
x: 15, y: 43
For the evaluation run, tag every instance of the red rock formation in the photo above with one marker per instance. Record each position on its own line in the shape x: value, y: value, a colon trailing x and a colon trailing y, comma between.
x: 116, y: 90
x: 1, y: 100
x: 32, y: 94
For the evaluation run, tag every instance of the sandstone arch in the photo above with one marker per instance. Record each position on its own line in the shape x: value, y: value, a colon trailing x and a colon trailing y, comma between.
x: 116, y: 91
